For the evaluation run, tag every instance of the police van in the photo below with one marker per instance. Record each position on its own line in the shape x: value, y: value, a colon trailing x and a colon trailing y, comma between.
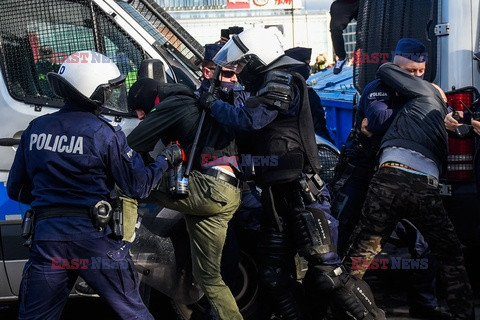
x: 35, y: 38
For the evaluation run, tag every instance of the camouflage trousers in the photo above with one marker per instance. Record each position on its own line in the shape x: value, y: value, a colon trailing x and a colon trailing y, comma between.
x: 394, y: 194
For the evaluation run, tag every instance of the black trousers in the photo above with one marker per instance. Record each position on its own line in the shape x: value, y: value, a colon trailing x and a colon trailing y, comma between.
x: 341, y: 13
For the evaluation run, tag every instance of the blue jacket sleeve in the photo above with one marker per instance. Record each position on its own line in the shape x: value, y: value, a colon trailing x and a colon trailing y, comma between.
x: 19, y: 184
x: 129, y: 171
x: 376, y: 105
x: 242, y: 118
x: 379, y: 117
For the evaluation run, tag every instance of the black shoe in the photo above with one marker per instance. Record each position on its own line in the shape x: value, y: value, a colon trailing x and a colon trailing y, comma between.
x: 432, y: 314
x: 339, y: 66
x: 83, y: 289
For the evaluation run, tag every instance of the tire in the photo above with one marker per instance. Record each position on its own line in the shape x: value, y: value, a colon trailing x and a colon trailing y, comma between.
x: 246, y: 293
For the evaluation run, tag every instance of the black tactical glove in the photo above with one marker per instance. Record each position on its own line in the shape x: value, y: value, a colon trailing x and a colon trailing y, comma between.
x: 225, y: 95
x: 173, y: 154
x: 207, y: 100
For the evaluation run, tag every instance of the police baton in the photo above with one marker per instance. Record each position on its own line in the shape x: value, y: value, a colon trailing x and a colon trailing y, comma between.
x: 216, y: 74
x: 9, y: 142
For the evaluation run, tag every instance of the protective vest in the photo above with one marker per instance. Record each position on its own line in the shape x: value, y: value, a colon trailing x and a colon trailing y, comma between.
x: 291, y: 138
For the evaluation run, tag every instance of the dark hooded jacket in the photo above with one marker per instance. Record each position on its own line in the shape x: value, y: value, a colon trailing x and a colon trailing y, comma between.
x: 419, y: 125
x: 175, y: 118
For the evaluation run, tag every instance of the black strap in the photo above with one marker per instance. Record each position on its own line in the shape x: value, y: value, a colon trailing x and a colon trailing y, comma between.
x: 223, y: 177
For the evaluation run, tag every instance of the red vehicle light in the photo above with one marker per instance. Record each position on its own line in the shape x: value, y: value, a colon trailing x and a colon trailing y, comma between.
x: 460, y: 151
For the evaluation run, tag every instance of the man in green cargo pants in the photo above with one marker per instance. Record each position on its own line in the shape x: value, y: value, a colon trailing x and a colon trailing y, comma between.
x: 170, y: 113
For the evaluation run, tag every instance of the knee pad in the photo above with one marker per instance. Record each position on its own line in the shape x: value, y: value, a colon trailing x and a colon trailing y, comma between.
x: 274, y: 277
x: 312, y: 233
x: 355, y: 298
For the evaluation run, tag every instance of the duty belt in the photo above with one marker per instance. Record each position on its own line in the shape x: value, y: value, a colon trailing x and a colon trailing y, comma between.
x: 61, y: 211
x: 223, y: 177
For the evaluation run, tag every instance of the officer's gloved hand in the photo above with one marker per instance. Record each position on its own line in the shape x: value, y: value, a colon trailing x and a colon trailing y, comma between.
x: 207, y: 100
x: 225, y: 95
x: 173, y: 154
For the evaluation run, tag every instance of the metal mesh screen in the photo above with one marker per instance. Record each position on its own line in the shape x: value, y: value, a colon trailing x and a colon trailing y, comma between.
x: 328, y: 160
x: 36, y: 36
x: 174, y: 37
x: 381, y: 24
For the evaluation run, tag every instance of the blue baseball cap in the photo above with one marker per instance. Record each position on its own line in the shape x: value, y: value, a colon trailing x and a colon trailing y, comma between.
x: 211, y: 50
x: 411, y: 49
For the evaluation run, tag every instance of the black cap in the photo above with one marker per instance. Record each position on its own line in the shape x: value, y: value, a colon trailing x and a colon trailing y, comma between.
x: 299, y: 53
x: 142, y: 95
x: 211, y: 50
x: 411, y: 49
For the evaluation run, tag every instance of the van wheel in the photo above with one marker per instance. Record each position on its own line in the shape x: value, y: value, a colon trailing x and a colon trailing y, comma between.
x: 246, y: 293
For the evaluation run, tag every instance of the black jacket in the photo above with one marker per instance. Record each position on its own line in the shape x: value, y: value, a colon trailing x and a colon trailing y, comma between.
x: 419, y: 125
x: 176, y: 117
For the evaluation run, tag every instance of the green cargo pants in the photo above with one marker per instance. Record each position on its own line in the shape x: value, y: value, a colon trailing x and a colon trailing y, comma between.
x: 208, y: 209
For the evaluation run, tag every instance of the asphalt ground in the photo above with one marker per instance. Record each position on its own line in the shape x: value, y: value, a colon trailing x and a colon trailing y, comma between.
x: 390, y: 297
x: 389, y: 288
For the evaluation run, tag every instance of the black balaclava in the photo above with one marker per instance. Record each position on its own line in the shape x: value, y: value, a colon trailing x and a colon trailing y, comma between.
x: 301, y: 54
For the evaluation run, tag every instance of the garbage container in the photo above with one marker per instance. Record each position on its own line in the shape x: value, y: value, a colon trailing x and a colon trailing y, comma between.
x: 337, y: 93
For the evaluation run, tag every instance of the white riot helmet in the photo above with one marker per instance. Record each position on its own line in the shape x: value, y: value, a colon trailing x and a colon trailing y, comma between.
x: 252, y: 52
x: 92, y: 80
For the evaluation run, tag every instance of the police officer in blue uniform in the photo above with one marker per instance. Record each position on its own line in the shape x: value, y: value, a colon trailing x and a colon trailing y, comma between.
x: 280, y: 124
x: 66, y: 166
x: 377, y: 108
x: 228, y: 89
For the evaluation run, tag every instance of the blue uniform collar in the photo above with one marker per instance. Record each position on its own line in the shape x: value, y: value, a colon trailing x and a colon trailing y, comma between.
x: 72, y: 107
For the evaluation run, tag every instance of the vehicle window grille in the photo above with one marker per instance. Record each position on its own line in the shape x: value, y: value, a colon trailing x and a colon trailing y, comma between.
x: 172, y: 35
x: 328, y: 160
x: 381, y: 24
x: 37, y: 36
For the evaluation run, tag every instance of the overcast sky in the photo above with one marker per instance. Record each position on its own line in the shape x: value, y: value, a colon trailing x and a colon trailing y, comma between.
x: 317, y: 4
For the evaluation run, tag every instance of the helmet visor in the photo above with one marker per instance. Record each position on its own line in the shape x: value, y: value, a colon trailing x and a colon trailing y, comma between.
x: 116, y: 98
x: 113, y: 95
x: 232, y: 54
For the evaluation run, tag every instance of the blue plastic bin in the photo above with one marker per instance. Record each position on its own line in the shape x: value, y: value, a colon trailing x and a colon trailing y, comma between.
x: 337, y: 93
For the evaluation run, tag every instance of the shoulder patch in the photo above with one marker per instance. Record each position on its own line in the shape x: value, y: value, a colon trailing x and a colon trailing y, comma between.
x: 377, y: 94
x: 115, y: 127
